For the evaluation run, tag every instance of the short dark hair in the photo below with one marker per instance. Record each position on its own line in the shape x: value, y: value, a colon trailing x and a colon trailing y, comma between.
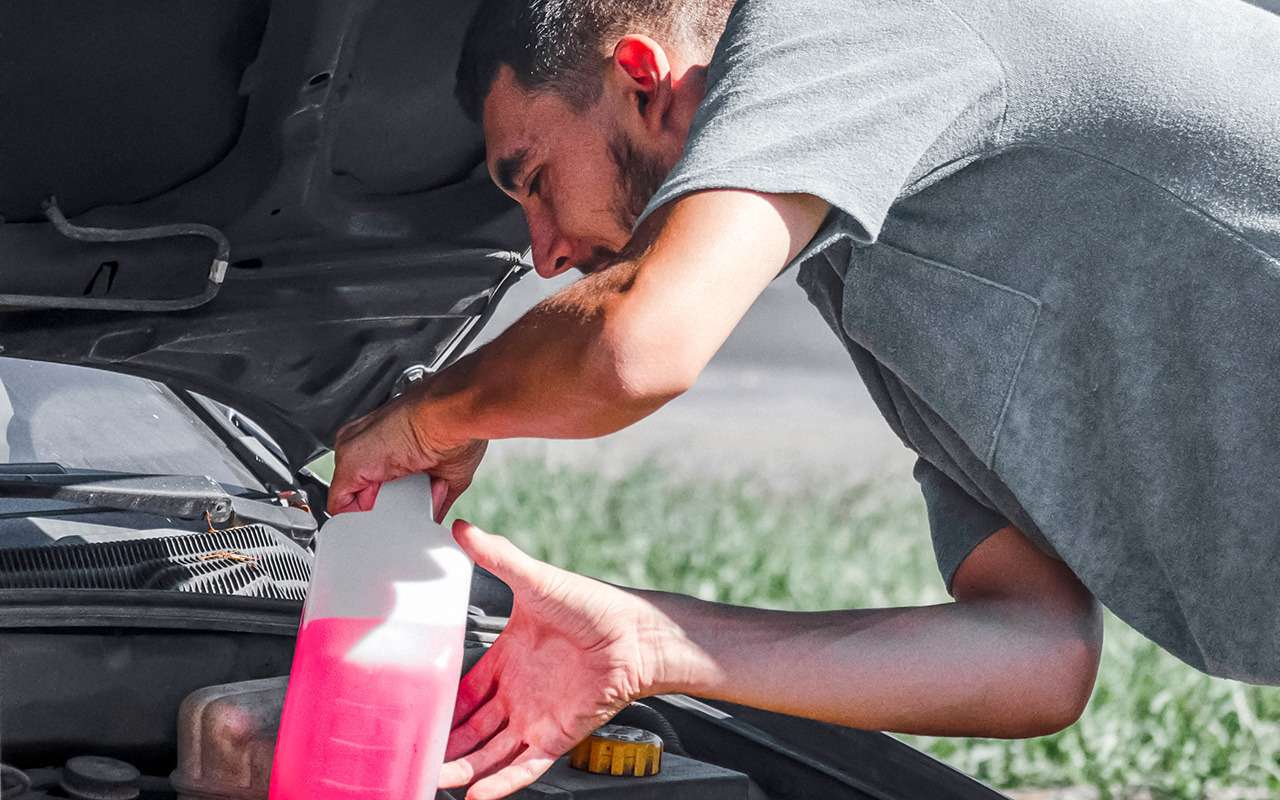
x: 558, y: 45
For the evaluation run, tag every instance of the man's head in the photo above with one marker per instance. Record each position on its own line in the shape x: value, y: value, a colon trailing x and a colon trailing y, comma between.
x: 585, y: 106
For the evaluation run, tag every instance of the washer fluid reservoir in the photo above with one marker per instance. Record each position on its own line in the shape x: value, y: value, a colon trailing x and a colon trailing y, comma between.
x: 379, y: 652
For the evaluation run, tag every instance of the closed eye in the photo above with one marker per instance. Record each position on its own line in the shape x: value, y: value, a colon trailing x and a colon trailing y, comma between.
x: 535, y: 183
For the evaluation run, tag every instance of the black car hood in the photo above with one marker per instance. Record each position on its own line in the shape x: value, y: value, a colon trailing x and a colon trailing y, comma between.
x: 321, y: 138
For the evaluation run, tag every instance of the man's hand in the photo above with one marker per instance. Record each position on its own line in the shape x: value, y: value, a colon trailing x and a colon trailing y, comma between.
x: 575, y: 652
x: 394, y: 441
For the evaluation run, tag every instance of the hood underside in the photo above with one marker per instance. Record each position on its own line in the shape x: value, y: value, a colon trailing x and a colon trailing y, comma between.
x: 320, y: 138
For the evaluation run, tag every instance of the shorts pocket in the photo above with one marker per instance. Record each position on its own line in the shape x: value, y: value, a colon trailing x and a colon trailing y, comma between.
x: 954, y: 338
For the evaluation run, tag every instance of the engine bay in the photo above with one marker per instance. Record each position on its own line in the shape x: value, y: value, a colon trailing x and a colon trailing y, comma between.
x: 155, y: 667
x: 220, y: 739
x: 101, y: 711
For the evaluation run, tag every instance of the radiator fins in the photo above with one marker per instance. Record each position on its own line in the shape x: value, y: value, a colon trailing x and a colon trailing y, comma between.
x: 248, y: 561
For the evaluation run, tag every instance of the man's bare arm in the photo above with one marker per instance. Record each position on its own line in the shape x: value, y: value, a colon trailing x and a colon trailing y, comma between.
x: 596, y: 357
x: 1015, y: 656
x: 616, y: 345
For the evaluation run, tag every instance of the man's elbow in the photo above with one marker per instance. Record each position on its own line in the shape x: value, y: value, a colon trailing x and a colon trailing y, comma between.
x: 1062, y: 688
x: 1051, y: 628
x: 645, y: 368
x: 653, y: 383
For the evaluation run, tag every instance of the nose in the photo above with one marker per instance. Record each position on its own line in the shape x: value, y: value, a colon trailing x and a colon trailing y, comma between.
x: 552, y: 252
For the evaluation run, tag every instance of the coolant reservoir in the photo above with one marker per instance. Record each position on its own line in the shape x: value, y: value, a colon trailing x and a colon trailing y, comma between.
x: 375, y: 672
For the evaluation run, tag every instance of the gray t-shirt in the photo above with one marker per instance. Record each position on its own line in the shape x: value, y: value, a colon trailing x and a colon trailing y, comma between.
x: 1053, y: 259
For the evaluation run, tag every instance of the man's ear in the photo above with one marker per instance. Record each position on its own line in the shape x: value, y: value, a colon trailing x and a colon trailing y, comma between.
x: 642, y: 68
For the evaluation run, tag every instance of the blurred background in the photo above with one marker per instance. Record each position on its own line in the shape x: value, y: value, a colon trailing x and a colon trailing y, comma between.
x: 775, y: 482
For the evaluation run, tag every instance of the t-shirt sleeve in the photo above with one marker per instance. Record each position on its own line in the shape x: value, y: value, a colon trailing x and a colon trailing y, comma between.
x: 957, y: 522
x: 848, y: 100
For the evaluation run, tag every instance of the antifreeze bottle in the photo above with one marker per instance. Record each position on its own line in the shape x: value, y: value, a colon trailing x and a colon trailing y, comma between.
x: 378, y: 657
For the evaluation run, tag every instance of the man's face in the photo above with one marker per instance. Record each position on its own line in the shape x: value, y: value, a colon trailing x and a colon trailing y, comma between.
x: 580, y: 177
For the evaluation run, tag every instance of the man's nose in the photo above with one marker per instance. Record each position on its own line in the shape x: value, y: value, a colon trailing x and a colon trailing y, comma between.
x: 552, y: 252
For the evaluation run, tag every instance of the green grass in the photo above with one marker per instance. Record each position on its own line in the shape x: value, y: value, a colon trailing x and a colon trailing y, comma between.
x: 1152, y: 722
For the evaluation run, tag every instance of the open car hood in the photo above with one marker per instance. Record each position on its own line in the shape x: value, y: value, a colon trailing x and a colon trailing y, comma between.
x: 320, y: 143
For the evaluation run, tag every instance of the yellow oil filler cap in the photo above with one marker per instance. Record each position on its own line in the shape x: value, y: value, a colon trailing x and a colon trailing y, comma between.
x: 619, y: 750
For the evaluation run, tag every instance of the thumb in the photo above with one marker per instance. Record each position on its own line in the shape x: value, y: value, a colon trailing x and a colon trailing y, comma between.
x: 439, y: 496
x: 497, y: 554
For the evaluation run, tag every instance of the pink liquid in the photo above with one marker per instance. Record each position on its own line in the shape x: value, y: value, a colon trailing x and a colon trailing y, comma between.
x: 352, y: 730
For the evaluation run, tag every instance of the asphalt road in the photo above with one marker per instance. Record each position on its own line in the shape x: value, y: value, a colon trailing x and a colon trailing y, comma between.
x: 780, y: 399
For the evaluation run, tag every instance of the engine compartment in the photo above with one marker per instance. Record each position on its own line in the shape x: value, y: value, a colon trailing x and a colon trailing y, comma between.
x: 124, y: 691
x: 115, y: 716
x: 115, y: 693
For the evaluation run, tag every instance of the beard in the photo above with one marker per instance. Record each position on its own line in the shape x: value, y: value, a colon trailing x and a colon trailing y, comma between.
x: 639, y: 176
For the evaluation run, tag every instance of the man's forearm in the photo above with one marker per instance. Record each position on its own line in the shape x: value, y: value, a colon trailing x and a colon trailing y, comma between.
x: 995, y: 668
x: 556, y: 373
x: 618, y: 344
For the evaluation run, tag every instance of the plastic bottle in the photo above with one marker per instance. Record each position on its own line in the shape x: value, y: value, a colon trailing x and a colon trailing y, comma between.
x: 379, y: 653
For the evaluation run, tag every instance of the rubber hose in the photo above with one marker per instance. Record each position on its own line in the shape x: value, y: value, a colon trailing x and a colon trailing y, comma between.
x: 13, y: 782
x: 639, y: 715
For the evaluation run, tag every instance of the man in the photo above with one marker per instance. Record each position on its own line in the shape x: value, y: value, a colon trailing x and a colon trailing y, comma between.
x: 1048, y: 235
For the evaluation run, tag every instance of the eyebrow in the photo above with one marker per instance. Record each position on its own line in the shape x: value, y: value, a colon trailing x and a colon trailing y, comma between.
x: 508, y: 168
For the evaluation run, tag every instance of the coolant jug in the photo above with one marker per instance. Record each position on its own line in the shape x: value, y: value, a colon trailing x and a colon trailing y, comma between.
x: 378, y: 657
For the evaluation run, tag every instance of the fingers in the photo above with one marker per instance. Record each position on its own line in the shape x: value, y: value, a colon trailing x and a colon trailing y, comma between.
x: 476, y: 687
x: 346, y: 482
x: 345, y: 498
x: 342, y: 491
x: 476, y: 730
x: 454, y: 492
x: 350, y: 490
x: 524, y: 770
x: 496, y: 554
x: 439, y: 493
x: 341, y: 503
x: 493, y: 755
x: 366, y: 497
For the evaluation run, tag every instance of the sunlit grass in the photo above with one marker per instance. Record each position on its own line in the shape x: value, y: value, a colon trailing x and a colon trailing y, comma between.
x: 1153, y: 722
